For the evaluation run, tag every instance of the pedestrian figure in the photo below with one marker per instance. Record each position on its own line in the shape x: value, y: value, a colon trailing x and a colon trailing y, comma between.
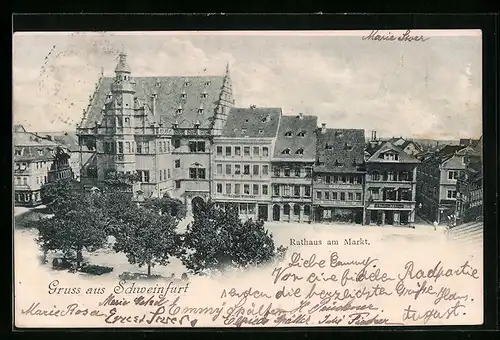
x: 435, y: 225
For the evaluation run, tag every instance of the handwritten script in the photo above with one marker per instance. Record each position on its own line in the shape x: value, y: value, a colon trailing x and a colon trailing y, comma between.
x: 303, y: 290
x: 405, y: 37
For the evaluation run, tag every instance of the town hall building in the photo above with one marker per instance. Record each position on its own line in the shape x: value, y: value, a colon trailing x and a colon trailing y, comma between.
x: 157, y: 130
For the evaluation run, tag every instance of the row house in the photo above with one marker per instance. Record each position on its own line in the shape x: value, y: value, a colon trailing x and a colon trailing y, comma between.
x: 158, y: 130
x: 36, y: 161
x: 339, y: 175
x: 241, y: 158
x: 292, y: 163
x: 390, y: 189
x: 470, y: 185
x: 438, y: 176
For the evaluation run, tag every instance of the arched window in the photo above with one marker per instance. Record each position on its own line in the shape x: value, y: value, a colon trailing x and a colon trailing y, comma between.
x: 296, y: 209
x: 286, y: 209
x: 301, y: 134
x: 286, y: 152
x: 300, y: 151
x: 288, y: 134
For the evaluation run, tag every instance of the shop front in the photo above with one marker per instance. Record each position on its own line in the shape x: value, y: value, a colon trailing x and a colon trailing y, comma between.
x: 390, y: 214
x: 249, y: 209
x: 339, y: 214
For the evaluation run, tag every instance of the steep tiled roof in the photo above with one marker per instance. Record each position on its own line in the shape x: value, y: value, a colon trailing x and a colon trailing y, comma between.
x: 32, y: 147
x: 448, y: 150
x: 388, y: 146
x: 340, y: 150
x: 408, y: 142
x: 398, y: 141
x: 252, y: 122
x: 202, y: 92
x: 296, y: 135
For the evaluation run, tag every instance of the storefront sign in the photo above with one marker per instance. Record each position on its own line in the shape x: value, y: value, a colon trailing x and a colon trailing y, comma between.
x: 345, y: 186
x: 392, y: 206
x: 241, y: 196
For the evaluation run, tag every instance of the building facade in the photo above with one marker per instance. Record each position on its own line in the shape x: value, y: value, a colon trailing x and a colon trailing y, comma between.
x: 470, y: 185
x: 390, y: 190
x: 292, y: 164
x: 339, y: 175
x: 438, y: 177
x: 158, y: 130
x: 36, y: 161
x: 241, y: 161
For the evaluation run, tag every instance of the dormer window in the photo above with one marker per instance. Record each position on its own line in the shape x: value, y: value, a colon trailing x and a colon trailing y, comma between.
x: 328, y: 146
x: 18, y: 152
x: 300, y: 151
x: 265, y: 119
x: 243, y: 131
x: 301, y: 134
x: 175, y: 125
x: 187, y: 83
x: 200, y: 111
x: 179, y: 111
x: 197, y: 125
x: 348, y: 146
x: 286, y: 152
x: 261, y: 132
x: 288, y: 134
x: 389, y: 156
x: 183, y: 96
x: 204, y: 95
x: 207, y: 83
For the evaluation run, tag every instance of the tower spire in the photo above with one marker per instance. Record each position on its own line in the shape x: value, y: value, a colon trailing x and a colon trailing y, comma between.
x: 122, y: 66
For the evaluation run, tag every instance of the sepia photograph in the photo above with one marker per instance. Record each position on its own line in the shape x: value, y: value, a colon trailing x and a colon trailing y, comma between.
x: 247, y: 178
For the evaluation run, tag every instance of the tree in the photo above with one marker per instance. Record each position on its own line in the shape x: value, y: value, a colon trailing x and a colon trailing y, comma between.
x: 217, y: 238
x: 167, y: 205
x: 120, y: 182
x: 81, y: 225
x: 56, y: 195
x: 117, y: 207
x: 147, y: 238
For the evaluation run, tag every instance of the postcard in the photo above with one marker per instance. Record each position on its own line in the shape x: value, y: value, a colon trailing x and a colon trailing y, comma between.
x: 247, y: 179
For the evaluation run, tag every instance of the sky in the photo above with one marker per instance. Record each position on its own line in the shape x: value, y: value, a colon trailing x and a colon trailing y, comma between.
x: 419, y: 89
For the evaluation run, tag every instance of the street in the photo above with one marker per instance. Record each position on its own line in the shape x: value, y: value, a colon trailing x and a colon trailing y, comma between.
x: 28, y: 251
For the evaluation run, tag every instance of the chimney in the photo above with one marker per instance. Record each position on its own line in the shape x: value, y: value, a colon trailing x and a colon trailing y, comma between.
x: 323, y: 128
x: 153, y: 106
x: 301, y: 115
x: 374, y: 135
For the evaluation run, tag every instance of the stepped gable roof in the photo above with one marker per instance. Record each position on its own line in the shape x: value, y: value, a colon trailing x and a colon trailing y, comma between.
x: 297, y: 136
x: 188, y: 93
x: 252, y: 122
x: 340, y: 150
x: 388, y: 146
